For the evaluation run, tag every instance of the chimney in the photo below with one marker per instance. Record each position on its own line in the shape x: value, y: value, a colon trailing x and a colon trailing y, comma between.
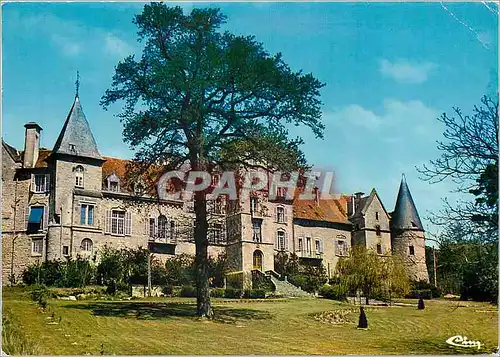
x: 31, y: 144
x: 358, y: 195
x: 316, y: 196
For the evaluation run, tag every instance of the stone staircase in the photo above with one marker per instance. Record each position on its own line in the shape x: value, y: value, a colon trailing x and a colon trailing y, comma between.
x: 285, y: 288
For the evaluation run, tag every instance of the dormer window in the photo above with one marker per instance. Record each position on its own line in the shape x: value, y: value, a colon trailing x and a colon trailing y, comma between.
x: 113, y: 183
x: 139, y: 189
x: 72, y: 148
x: 79, y: 176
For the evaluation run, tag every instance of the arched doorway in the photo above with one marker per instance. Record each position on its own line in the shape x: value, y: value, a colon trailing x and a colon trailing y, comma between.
x: 257, y: 260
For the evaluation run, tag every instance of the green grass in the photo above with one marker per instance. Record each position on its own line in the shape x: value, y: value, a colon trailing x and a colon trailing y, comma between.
x: 168, y: 326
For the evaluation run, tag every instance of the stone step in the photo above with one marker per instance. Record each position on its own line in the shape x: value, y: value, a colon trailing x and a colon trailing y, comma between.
x: 287, y: 289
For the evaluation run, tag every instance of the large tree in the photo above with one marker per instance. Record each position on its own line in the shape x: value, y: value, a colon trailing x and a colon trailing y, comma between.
x: 205, y: 96
x: 468, y: 244
x: 469, y: 158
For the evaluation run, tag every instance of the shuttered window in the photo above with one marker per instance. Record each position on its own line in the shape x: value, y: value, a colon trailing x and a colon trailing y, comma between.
x: 40, y: 183
x: 118, y: 222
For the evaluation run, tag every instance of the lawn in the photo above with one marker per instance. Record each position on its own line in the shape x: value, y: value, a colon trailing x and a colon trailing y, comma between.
x: 168, y: 326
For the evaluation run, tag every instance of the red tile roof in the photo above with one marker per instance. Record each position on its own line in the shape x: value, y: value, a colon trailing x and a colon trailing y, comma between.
x: 329, y: 210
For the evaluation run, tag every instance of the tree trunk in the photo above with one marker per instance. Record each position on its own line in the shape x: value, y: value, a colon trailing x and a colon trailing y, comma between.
x: 203, y: 304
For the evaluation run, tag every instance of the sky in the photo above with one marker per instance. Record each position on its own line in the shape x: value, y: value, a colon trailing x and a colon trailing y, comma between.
x: 390, y: 70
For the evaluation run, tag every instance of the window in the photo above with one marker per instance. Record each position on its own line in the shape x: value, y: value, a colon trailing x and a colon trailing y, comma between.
x: 378, y: 231
x: 301, y: 245
x: 280, y: 215
x: 113, y: 182
x: 41, y: 183
x: 79, y: 176
x: 217, y: 234
x: 412, y: 250
x: 257, y: 230
x: 253, y: 205
x: 257, y: 260
x: 117, y: 222
x: 37, y: 219
x: 341, y: 247
x: 37, y: 246
x: 152, y: 227
x: 65, y: 250
x: 318, y: 246
x: 215, y: 179
x: 172, y: 230
x: 281, y: 192
x: 376, y: 216
x: 139, y: 189
x: 113, y: 186
x: 86, y: 245
x: 308, y: 244
x: 379, y: 249
x: 87, y: 214
x: 162, y: 227
x: 280, y: 240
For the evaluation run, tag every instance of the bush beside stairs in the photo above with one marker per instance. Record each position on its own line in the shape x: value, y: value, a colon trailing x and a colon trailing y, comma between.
x: 285, y: 288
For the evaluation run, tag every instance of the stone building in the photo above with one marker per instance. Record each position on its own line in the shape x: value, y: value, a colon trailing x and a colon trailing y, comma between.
x: 72, y: 201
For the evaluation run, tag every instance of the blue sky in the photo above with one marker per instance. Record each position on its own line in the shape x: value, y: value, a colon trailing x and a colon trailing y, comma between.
x: 390, y: 70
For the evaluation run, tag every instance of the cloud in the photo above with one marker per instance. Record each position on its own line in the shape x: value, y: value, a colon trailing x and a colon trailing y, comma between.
x: 68, y: 46
x: 404, y: 71
x: 70, y: 37
x: 411, y: 115
x: 116, y: 46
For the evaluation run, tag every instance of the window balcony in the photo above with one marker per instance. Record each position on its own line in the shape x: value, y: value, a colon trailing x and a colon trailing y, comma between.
x: 309, y: 255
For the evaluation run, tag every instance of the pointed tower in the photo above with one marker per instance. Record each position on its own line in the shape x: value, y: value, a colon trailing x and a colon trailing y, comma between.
x: 407, y: 234
x: 77, y: 181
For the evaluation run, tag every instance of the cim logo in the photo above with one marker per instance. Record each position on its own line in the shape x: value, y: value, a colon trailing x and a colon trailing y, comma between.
x: 462, y: 341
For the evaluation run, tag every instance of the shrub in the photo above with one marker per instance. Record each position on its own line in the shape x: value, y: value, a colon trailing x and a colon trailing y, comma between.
x: 235, y: 280
x: 188, y: 291
x: 217, y: 292
x: 231, y: 293
x: 254, y: 294
x: 261, y: 282
x: 426, y: 290
x: 333, y: 292
x: 167, y: 290
x: 39, y: 294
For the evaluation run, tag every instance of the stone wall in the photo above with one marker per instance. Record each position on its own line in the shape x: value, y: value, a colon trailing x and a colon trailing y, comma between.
x: 328, y: 236
x: 415, y: 264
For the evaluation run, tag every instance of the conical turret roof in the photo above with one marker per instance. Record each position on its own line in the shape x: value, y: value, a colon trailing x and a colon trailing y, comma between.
x: 405, y: 215
x: 76, y: 137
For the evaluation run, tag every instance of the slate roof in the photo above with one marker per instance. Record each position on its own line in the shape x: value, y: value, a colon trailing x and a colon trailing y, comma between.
x: 365, y: 202
x: 329, y: 210
x: 12, y: 152
x: 76, y: 134
x: 405, y: 215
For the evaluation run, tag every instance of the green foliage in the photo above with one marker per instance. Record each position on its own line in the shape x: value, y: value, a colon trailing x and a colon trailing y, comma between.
x: 333, y: 292
x: 235, y: 280
x: 467, y: 267
x: 40, y: 293
x: 217, y: 292
x: 424, y: 290
x: 363, y: 270
x: 71, y: 274
x: 254, y: 294
x: 180, y: 270
x: 188, y: 291
x: 261, y: 281
x: 233, y: 293
x: 217, y: 268
x: 202, y: 95
x: 309, y: 278
x: 167, y: 290
x: 14, y: 339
